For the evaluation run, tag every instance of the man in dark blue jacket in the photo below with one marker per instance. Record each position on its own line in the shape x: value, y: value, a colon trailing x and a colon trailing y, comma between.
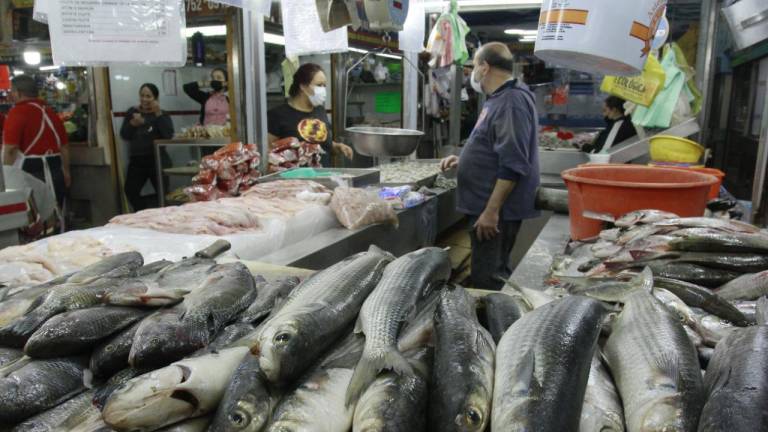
x: 498, y: 170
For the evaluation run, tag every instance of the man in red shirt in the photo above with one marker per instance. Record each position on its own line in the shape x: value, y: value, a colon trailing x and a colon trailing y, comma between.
x: 34, y: 138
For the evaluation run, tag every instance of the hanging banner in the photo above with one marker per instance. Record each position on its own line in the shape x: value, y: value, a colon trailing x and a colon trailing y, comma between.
x: 87, y: 32
x: 40, y: 11
x: 303, y: 33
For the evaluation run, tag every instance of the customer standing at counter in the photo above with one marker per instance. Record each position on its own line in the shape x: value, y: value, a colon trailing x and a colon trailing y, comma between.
x: 214, y: 105
x: 34, y: 139
x: 618, y: 129
x: 141, y: 127
x: 303, y: 116
x: 498, y: 170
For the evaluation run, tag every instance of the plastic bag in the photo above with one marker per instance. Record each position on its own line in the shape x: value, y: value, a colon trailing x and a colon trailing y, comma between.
x: 356, y: 208
x: 640, y: 89
x: 659, y: 113
x: 447, y: 42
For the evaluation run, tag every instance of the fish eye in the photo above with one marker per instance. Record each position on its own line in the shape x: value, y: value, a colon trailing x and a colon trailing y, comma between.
x: 282, y: 338
x: 109, y: 348
x: 238, y: 418
x: 473, y: 416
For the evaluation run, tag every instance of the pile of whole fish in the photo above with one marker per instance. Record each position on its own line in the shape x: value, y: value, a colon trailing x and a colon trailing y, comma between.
x: 375, y: 344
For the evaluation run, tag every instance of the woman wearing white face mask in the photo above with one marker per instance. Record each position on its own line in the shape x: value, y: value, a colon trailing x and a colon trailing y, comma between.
x: 303, y: 116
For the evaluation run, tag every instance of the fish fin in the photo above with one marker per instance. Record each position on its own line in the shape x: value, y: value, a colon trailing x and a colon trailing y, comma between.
x: 604, y: 217
x: 35, y: 304
x: 761, y: 311
x: 369, y: 367
x: 483, y: 341
x: 16, y: 334
x: 358, y: 325
x: 644, y: 280
x: 525, y: 381
x: 721, y: 381
x: 668, y: 371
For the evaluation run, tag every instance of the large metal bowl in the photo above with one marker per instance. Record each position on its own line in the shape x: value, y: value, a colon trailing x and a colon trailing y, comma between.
x: 383, y: 142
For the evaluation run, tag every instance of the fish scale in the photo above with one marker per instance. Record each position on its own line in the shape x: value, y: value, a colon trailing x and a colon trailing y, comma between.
x: 542, y: 366
x: 655, y: 366
x: 404, y: 282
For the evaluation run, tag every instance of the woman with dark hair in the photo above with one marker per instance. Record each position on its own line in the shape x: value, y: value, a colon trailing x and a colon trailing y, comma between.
x: 303, y: 116
x: 619, y: 127
x: 142, y: 125
x: 214, y: 105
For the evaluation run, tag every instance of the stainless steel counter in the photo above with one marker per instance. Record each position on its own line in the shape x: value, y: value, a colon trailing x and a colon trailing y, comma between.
x: 537, y: 262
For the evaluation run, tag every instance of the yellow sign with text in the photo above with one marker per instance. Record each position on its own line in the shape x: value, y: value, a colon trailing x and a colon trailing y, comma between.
x: 640, y: 89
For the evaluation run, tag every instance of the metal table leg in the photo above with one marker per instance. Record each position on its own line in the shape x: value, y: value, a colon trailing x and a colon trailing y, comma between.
x: 159, y: 167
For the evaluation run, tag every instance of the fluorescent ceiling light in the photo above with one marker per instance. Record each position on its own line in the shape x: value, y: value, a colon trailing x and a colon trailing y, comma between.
x: 18, y: 72
x: 60, y: 85
x: 32, y: 57
x: 218, y: 30
x: 49, y: 68
x: 521, y: 32
x: 482, y: 5
x: 525, y: 38
x: 274, y: 39
x: 362, y: 51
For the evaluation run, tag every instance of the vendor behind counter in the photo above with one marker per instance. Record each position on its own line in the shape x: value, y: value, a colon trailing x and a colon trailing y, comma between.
x: 619, y: 127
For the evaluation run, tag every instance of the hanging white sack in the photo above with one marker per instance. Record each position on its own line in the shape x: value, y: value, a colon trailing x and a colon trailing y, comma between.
x: 598, y: 36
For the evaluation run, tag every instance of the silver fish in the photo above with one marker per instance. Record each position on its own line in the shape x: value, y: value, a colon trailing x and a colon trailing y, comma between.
x: 115, y: 266
x: 53, y: 419
x: 705, y: 222
x: 747, y: 287
x: 542, y: 366
x: 269, y: 294
x: 501, y: 310
x: 418, y: 332
x: 602, y: 411
x: 655, y: 366
x: 761, y: 311
x: 39, y: 385
x: 316, y: 313
x: 317, y: 404
x: 75, y: 332
x: 696, y: 296
x: 185, y: 389
x: 395, y: 402
x: 462, y: 379
x: 643, y: 217
x: 248, y: 401
x: 405, y: 281
x: 9, y: 355
x: 737, y: 383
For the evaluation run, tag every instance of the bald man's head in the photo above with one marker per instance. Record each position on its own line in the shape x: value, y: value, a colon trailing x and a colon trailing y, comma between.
x: 497, y: 55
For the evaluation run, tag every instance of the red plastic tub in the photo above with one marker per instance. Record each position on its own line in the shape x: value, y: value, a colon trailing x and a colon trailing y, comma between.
x: 714, y: 191
x: 620, y: 189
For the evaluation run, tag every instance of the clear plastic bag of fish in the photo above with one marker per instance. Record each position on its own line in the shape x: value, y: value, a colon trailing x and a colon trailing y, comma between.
x: 356, y: 208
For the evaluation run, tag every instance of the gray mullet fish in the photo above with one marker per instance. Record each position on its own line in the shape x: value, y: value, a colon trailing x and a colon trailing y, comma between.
x: 462, y: 378
x: 737, y: 383
x: 405, y: 281
x: 655, y: 366
x: 542, y: 367
x: 315, y: 314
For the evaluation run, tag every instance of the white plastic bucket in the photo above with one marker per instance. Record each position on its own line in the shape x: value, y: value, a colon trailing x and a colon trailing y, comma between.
x: 611, y: 37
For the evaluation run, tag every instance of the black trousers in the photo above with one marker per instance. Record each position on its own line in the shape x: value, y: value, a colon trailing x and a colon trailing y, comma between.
x: 35, y: 168
x: 490, y: 258
x: 140, y: 169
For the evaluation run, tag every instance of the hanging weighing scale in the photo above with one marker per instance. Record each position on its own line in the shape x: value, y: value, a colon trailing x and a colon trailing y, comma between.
x: 375, y: 15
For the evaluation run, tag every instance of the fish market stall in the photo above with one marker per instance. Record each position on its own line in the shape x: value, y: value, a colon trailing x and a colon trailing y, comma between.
x: 165, y: 351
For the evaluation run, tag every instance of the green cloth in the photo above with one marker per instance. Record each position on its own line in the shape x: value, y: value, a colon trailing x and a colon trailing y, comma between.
x: 659, y: 113
x: 289, y: 67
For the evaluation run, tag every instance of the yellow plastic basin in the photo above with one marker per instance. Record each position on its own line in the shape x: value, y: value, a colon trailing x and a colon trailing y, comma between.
x: 666, y: 148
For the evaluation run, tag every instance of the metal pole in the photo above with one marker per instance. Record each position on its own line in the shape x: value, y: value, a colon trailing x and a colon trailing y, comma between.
x: 759, y: 206
x: 454, y: 124
x: 410, y: 92
x: 255, y: 78
x: 705, y: 63
x: 238, y: 80
x: 338, y: 98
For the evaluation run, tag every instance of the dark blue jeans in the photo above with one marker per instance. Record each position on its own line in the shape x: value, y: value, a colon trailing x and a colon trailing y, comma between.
x: 490, y: 258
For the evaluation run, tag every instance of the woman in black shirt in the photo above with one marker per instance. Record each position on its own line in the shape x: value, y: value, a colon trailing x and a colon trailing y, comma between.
x: 619, y: 127
x: 142, y: 126
x: 303, y: 116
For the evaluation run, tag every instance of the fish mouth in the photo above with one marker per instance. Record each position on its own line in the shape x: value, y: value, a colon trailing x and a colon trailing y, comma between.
x: 151, y: 400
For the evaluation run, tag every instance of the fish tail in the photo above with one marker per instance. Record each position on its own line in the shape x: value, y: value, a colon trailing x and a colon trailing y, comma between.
x: 369, y: 367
